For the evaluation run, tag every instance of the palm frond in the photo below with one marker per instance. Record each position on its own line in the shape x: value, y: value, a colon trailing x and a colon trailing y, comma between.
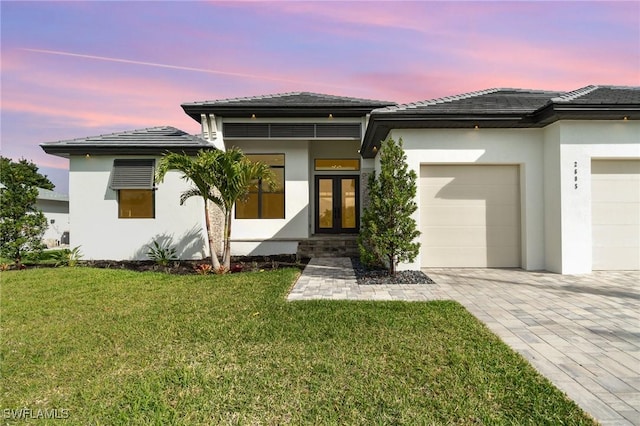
x: 191, y: 192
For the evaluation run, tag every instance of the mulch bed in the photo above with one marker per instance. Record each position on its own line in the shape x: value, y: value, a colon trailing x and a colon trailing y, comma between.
x: 364, y: 275
x: 190, y: 267
x: 380, y: 276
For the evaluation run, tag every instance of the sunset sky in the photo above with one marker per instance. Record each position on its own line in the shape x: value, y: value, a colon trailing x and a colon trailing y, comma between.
x: 74, y: 69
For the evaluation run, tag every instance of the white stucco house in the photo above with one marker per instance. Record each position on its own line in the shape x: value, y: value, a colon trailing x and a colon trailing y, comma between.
x: 540, y: 180
x: 55, y: 207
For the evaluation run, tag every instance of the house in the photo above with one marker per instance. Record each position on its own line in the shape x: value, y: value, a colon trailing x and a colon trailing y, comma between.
x: 55, y: 207
x: 507, y: 177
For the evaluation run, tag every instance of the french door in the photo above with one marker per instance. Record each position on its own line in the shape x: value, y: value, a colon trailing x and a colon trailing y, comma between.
x: 337, y: 208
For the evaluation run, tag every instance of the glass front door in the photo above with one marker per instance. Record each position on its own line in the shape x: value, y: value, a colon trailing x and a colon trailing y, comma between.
x: 337, y: 204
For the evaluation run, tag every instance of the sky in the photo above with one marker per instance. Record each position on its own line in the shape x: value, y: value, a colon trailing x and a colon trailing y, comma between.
x: 77, y: 69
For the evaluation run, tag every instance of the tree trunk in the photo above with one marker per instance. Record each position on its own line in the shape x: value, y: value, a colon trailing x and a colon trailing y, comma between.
x: 214, y: 257
x: 226, y: 258
x: 392, y: 265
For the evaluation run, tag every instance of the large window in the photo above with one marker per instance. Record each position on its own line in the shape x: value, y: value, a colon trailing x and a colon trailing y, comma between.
x: 262, y: 202
x: 132, y: 179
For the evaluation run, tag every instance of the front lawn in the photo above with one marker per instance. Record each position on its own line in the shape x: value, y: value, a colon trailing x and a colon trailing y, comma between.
x: 121, y: 347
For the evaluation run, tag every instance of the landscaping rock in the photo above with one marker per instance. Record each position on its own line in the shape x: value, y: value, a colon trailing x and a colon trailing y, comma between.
x: 369, y: 276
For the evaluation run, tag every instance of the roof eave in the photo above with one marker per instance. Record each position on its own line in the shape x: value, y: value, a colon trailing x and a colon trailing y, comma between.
x: 66, y: 151
x: 195, y: 111
x: 572, y: 111
x: 380, y: 126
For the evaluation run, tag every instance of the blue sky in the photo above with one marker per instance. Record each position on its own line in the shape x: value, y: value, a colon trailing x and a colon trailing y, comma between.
x: 74, y: 69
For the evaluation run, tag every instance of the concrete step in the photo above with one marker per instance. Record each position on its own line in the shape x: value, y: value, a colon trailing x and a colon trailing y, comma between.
x: 329, y: 246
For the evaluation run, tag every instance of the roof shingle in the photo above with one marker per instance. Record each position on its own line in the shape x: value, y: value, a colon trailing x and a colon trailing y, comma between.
x: 488, y: 101
x: 611, y: 95
x: 292, y: 99
x: 149, y: 140
x: 292, y: 104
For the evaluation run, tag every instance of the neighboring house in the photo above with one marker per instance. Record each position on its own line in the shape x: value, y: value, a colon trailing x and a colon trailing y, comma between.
x: 507, y: 177
x: 55, y: 207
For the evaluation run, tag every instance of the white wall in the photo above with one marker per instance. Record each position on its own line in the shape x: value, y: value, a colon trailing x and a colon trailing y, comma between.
x: 552, y: 199
x: 523, y: 147
x: 277, y: 236
x: 556, y: 215
x: 58, y: 212
x: 93, y: 211
x: 580, y: 142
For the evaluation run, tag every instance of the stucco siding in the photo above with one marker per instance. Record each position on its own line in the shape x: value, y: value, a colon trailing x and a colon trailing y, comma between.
x: 521, y: 147
x: 57, y: 214
x: 93, y: 211
x: 580, y: 143
x: 277, y: 236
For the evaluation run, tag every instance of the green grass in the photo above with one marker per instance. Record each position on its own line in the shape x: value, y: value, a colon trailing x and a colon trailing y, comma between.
x: 120, y: 347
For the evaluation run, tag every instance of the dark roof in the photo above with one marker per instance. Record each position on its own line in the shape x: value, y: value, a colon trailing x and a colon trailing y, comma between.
x: 154, y: 140
x: 293, y: 104
x: 491, y: 101
x: 599, y: 95
x: 500, y: 108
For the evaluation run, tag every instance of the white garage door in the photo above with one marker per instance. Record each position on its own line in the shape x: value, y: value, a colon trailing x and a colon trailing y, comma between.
x: 615, y: 195
x: 470, y: 215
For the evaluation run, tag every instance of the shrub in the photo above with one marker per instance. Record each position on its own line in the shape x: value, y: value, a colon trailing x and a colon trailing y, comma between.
x: 203, y: 269
x: 67, y: 257
x: 388, y: 231
x: 162, y: 255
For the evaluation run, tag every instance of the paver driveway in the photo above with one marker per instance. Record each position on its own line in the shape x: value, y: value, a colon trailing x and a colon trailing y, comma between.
x: 582, y: 332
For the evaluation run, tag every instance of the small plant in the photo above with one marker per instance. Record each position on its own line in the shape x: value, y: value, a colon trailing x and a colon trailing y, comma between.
x: 162, y: 255
x: 67, y: 257
x: 203, y: 269
x: 236, y: 267
x: 4, y: 267
x: 221, y: 270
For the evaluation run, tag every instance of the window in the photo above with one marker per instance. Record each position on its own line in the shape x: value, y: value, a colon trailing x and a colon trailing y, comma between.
x: 133, y: 180
x: 136, y: 203
x: 263, y: 203
x: 343, y: 164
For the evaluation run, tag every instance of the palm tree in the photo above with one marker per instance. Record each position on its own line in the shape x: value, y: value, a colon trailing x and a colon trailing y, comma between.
x: 222, y: 177
x: 234, y: 175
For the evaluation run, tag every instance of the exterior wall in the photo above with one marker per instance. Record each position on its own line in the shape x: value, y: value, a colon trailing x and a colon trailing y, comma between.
x: 257, y: 237
x: 552, y: 199
x: 580, y: 142
x: 523, y: 147
x: 58, y: 213
x: 93, y: 210
x: 555, y: 173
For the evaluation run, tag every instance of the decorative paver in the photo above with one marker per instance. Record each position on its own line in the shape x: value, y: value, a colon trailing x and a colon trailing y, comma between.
x: 580, y: 331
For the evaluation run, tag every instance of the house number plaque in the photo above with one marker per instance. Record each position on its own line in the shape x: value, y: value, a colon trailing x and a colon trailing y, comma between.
x: 575, y: 175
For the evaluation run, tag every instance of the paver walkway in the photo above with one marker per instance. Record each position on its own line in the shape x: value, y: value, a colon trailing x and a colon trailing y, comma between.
x: 580, y: 331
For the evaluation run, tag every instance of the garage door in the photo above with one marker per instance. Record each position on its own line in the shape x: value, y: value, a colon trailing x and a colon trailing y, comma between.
x: 615, y: 195
x: 470, y: 216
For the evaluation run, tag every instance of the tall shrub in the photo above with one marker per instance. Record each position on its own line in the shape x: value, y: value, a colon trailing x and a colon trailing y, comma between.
x: 22, y: 225
x: 388, y: 231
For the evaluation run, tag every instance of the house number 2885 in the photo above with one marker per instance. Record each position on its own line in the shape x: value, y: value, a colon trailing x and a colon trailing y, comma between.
x: 575, y: 174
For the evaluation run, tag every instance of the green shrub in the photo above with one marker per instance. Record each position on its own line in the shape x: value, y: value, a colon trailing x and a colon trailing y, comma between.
x: 162, y: 255
x: 67, y: 257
